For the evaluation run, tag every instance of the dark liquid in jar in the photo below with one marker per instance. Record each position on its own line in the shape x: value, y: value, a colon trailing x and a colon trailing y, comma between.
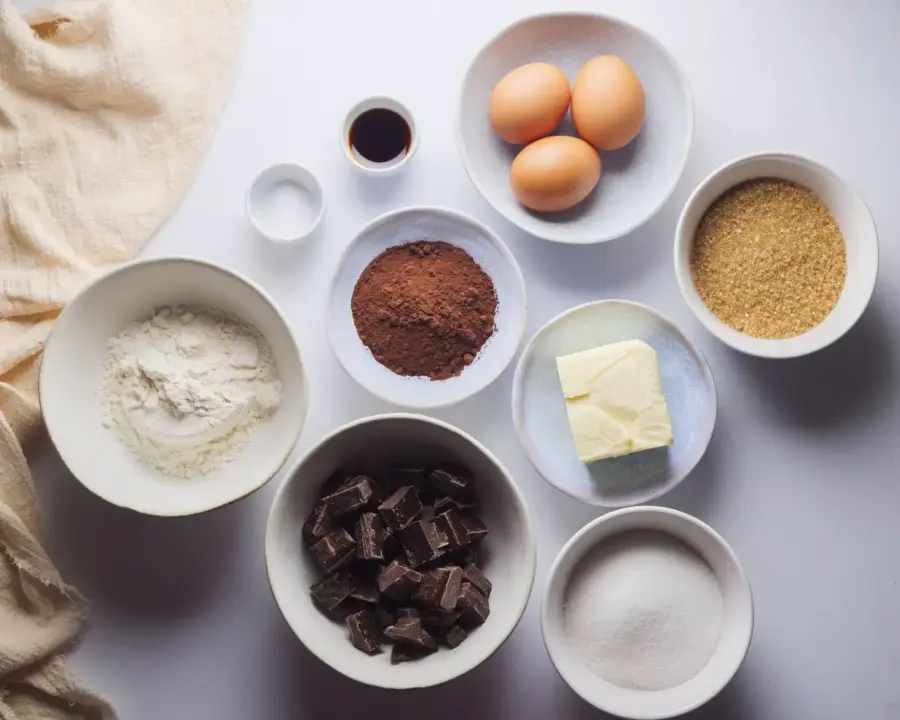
x: 379, y: 136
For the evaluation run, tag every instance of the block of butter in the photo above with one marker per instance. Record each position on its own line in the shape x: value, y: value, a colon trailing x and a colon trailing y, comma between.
x: 615, y: 400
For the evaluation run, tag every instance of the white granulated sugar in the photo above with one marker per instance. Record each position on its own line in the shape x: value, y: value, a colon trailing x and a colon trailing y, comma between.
x: 644, y: 611
x: 185, y: 388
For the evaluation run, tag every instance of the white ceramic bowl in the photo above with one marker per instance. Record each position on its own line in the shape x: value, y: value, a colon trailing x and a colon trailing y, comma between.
x: 485, y: 247
x: 737, y: 626
x: 636, y: 180
x: 852, y: 215
x: 267, y: 213
x: 72, y: 370
x: 509, y: 548
x: 541, y: 422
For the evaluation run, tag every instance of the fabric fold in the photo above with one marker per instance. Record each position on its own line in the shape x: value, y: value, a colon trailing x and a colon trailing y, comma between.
x: 106, y: 108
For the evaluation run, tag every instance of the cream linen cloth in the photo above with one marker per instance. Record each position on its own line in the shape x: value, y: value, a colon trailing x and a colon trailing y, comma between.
x: 104, y: 117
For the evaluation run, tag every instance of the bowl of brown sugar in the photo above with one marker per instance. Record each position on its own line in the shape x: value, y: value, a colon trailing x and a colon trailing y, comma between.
x: 776, y: 255
x: 427, y: 307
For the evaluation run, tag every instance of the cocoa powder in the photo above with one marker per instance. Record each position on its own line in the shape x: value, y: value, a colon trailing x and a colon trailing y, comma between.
x: 425, y: 308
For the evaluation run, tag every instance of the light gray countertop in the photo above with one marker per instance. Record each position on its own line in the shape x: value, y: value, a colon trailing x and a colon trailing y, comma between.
x: 802, y: 473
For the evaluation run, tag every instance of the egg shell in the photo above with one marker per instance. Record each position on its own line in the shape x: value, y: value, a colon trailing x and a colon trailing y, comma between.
x: 608, y: 103
x: 529, y: 102
x: 554, y: 173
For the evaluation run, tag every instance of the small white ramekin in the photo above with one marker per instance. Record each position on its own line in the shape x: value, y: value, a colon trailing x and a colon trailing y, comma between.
x: 737, y: 628
x: 391, y: 167
x: 852, y: 215
x: 308, y: 191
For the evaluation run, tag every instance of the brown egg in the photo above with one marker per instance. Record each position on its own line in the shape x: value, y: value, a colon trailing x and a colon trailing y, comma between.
x: 608, y: 103
x: 529, y: 102
x: 554, y: 173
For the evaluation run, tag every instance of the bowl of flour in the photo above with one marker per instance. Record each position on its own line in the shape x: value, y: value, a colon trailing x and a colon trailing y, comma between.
x: 647, y: 613
x: 173, y: 386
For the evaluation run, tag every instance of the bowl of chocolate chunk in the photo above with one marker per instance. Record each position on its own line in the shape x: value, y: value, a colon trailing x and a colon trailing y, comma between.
x: 427, y: 307
x: 400, y: 551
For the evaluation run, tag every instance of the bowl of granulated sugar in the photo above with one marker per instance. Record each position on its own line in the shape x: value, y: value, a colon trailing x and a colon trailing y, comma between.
x: 647, y: 613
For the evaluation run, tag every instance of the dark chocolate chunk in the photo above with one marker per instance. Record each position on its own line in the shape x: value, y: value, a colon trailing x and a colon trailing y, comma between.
x: 422, y: 541
x: 408, y: 613
x: 461, y: 557
x: 443, y: 504
x: 448, y: 619
x: 432, y: 623
x: 411, y: 632
x: 369, y: 533
x: 438, y: 623
x: 318, y: 524
x: 398, y: 476
x: 384, y: 618
x: 401, y: 508
x: 404, y: 653
x: 378, y: 495
x: 450, y: 481
x: 398, y: 581
x: 455, y: 636
x: 331, y: 590
x: 451, y: 525
x: 474, y: 575
x: 392, y: 545
x: 429, y: 591
x: 335, y: 481
x: 473, y: 606
x: 469, y: 555
x: 475, y: 527
x: 334, y: 550
x: 351, y: 497
x: 364, y: 632
x: 451, y: 584
x: 364, y: 589
x: 346, y: 609
x: 375, y: 551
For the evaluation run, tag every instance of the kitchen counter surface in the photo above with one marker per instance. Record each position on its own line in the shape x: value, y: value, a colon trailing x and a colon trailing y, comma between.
x: 801, y: 476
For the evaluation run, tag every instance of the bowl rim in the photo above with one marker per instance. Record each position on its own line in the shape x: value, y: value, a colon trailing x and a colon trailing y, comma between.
x: 530, y: 549
x: 137, y: 264
x: 687, y: 95
x: 770, y: 348
x: 518, y: 383
x: 555, y: 579
x: 517, y: 333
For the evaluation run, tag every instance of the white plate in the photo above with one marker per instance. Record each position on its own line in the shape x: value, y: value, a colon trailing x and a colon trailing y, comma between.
x: 485, y: 247
x: 636, y: 180
x: 737, y: 629
x: 539, y: 410
x: 72, y: 372
x: 509, y: 549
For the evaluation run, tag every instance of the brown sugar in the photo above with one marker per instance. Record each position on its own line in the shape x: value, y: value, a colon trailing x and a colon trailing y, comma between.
x: 769, y: 259
x: 424, y: 308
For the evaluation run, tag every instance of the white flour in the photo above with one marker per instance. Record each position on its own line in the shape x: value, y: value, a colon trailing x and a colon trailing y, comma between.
x: 185, y: 388
x: 644, y: 611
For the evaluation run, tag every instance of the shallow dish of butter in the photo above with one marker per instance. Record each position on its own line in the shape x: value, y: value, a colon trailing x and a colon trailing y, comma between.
x: 540, y: 413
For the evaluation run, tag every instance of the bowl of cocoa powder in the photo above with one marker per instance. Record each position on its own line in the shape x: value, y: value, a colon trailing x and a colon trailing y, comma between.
x: 427, y: 307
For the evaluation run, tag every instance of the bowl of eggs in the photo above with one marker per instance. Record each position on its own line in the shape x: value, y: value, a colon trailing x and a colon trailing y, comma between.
x: 576, y: 127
